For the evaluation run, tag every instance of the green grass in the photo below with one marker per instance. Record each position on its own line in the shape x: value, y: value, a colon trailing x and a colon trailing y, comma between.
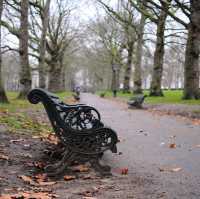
x: 63, y: 95
x: 170, y: 97
x: 15, y: 114
x: 22, y: 122
x: 16, y: 104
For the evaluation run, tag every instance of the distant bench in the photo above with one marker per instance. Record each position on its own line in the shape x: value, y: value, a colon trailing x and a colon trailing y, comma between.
x: 136, y: 101
x: 80, y: 130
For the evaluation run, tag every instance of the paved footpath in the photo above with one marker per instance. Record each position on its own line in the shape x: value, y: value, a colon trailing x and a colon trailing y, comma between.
x: 145, y: 139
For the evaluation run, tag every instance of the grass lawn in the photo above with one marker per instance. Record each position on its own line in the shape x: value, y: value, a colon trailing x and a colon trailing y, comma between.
x: 170, y: 97
x: 16, y: 114
x: 16, y: 103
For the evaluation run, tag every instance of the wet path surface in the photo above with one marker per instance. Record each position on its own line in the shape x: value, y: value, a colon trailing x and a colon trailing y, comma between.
x: 145, y: 140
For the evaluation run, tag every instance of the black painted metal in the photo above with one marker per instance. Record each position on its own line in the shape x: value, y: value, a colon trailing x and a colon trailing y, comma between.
x: 79, y: 128
x: 137, y: 101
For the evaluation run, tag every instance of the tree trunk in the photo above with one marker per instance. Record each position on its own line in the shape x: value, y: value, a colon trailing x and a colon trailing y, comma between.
x: 45, y: 21
x: 137, y: 72
x: 63, y: 69
x: 3, y: 97
x: 25, y: 75
x: 114, y: 83
x: 63, y: 79
x: 155, y: 89
x: 128, y: 69
x: 55, y: 77
x: 191, y: 73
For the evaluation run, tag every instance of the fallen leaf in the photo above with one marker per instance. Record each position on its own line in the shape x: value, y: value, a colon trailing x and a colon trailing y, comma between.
x: 36, y: 137
x: 80, y: 168
x: 52, y: 139
x: 196, y: 122
x: 68, y: 178
x: 172, y: 146
x: 161, y: 169
x: 46, y: 183
x: 29, y: 195
x: 87, y: 177
x: 4, y: 157
x: 176, y: 169
x: 41, y: 177
x: 27, y: 179
x: 2, y: 110
x: 15, y: 141
x: 124, y: 171
x: 170, y: 169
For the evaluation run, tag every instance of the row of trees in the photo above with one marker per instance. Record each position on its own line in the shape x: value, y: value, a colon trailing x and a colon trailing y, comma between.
x: 43, y: 38
x: 143, y: 40
x: 124, y: 33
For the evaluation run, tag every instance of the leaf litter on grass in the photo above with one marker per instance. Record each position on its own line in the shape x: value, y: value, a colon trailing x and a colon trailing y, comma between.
x: 29, y: 195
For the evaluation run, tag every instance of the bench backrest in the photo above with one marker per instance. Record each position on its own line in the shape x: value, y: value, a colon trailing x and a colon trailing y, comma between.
x: 61, y: 115
x: 51, y: 104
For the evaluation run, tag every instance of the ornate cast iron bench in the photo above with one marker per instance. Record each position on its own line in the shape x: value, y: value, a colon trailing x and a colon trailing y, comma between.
x: 79, y: 128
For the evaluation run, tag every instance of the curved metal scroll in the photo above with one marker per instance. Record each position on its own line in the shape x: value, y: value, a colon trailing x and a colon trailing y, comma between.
x: 97, y: 142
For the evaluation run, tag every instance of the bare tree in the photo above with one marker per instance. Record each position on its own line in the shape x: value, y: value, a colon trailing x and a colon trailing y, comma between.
x: 191, y: 10
x: 138, y: 60
x: 60, y: 37
x: 25, y: 75
x: 127, y: 14
x: 110, y: 37
x: 42, y: 47
x: 160, y: 20
x: 20, y: 10
x: 136, y: 35
x: 3, y: 97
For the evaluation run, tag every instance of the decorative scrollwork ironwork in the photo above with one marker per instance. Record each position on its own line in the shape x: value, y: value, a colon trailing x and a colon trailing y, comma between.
x: 79, y: 128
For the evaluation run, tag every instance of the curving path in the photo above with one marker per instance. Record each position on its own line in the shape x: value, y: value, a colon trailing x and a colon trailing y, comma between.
x: 145, y: 139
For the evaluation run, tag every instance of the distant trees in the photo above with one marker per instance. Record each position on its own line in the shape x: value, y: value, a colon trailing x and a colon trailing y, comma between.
x: 191, y: 10
x: 110, y: 37
x: 17, y: 13
x: 129, y: 44
x: 133, y: 33
x: 163, y: 13
x: 56, y: 35
x: 25, y: 74
x: 60, y: 37
x: 43, y: 38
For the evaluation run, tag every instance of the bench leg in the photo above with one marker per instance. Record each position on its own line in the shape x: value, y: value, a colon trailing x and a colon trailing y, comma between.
x: 53, y: 170
x: 104, y: 170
